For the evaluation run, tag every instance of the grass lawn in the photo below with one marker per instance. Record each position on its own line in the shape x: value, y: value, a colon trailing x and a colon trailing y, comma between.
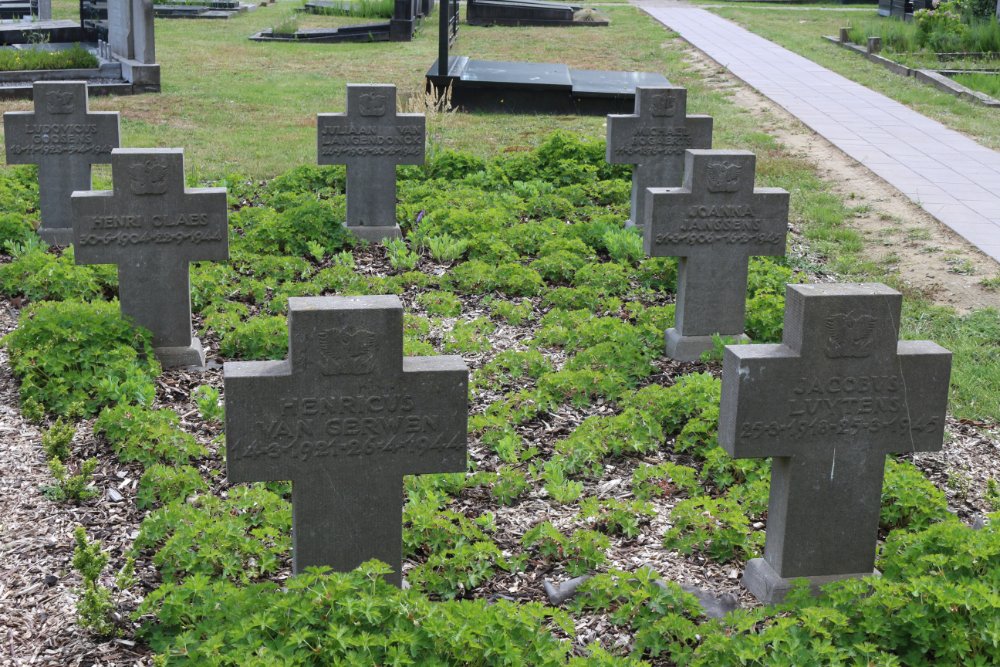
x: 802, y: 30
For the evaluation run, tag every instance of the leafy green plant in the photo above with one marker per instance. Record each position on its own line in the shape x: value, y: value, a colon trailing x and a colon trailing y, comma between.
x: 445, y: 248
x: 400, y: 256
x: 94, y: 608
x: 40, y: 275
x: 580, y: 552
x: 617, y: 517
x: 716, y: 527
x: 351, y: 618
x: 241, y: 537
x: 69, y: 487
x: 514, y: 313
x: 664, y: 480
x: 450, y: 573
x: 162, y: 484
x: 909, y: 500
x: 260, y: 337
x: 208, y: 400
x: 510, y: 485
x: 77, y: 357
x: 440, y: 304
x: 147, y: 436
x: 624, y: 245
x: 469, y: 337
x: 56, y: 439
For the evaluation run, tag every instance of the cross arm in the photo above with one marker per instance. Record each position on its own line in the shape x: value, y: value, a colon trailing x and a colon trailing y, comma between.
x: 14, y: 125
x: 925, y: 368
x: 250, y: 394
x: 752, y: 376
x: 436, y: 381
x: 700, y: 127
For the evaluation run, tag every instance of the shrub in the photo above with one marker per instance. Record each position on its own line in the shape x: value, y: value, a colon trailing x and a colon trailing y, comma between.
x: 163, y: 484
x: 716, y: 527
x: 148, y: 436
x: 580, y: 552
x: 15, y: 230
x: 260, y: 337
x: 68, y: 487
x: 440, y: 304
x: 352, y: 618
x: 303, y: 220
x: 40, y: 275
x: 74, y: 358
x: 56, y: 439
x: 241, y: 537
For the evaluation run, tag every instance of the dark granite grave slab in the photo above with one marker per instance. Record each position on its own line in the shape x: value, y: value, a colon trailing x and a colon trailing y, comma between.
x: 520, y: 87
x: 525, y: 12
x: 367, y: 32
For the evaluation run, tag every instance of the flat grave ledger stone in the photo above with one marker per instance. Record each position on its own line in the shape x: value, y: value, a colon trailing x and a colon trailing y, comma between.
x: 371, y: 139
x: 64, y: 138
x: 829, y: 403
x: 654, y: 139
x: 153, y: 227
x: 345, y: 417
x: 713, y: 223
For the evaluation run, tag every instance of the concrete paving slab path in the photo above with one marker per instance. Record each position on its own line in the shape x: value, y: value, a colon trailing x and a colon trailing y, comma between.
x: 945, y: 172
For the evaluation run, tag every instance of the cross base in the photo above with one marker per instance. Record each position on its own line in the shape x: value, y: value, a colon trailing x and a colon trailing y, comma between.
x: 630, y: 223
x: 60, y: 236
x: 770, y: 588
x: 178, y: 357
x: 374, y: 234
x: 690, y: 348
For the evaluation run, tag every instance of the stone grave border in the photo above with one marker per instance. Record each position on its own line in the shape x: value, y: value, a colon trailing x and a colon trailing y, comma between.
x: 209, y: 9
x: 939, y: 78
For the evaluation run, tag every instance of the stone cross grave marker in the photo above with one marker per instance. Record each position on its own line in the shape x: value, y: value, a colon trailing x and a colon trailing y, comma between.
x: 371, y: 139
x: 654, y: 139
x: 714, y: 223
x: 152, y: 227
x: 64, y: 139
x: 345, y: 418
x: 838, y: 394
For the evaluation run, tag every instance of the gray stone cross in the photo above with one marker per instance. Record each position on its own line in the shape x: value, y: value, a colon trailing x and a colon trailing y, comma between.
x: 64, y: 139
x: 152, y: 227
x: 371, y: 139
x: 654, y: 139
x: 345, y: 418
x: 714, y: 223
x: 838, y: 394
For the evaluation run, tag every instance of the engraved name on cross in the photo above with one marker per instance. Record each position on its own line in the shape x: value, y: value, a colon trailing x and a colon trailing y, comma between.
x: 153, y: 227
x: 64, y: 138
x: 654, y: 139
x: 345, y: 418
x: 371, y: 139
x: 714, y: 223
x: 829, y: 403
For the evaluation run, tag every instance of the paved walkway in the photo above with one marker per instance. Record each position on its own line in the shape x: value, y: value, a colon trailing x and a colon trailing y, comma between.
x: 951, y: 176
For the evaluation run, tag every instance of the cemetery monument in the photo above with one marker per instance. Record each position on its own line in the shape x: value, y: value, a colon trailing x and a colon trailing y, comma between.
x: 713, y: 223
x: 152, y: 227
x: 64, y: 138
x: 371, y: 139
x: 654, y: 139
x: 345, y: 417
x: 828, y: 404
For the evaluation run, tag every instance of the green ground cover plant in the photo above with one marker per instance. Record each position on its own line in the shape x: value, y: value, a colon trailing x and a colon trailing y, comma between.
x: 75, y: 57
x: 531, y: 238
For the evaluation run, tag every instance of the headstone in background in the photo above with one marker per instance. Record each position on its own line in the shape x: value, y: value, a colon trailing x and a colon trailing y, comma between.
x: 371, y: 139
x: 345, y: 418
x: 654, y: 139
x: 713, y: 223
x: 153, y: 227
x: 828, y: 404
x: 64, y: 138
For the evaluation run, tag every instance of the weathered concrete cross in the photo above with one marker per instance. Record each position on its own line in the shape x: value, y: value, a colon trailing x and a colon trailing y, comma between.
x: 828, y: 404
x: 345, y: 418
x: 64, y: 139
x: 654, y: 139
x: 152, y: 227
x: 714, y: 223
x: 371, y: 139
